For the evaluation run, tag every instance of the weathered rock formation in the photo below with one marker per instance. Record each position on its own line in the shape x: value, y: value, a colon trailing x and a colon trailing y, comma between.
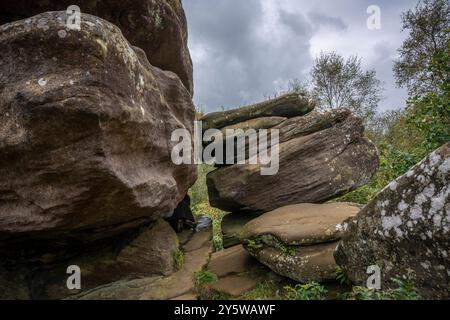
x: 298, y: 241
x: 85, y: 154
x: 405, y: 230
x: 232, y: 225
x: 150, y: 251
x: 78, y: 156
x: 322, y: 155
x: 288, y: 105
x: 156, y: 26
x: 179, y: 285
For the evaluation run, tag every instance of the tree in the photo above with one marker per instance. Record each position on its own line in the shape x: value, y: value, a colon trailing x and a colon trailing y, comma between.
x: 337, y: 82
x: 430, y: 112
x: 426, y: 24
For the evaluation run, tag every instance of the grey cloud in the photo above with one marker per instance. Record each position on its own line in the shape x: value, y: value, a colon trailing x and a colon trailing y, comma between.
x: 237, y: 61
x: 319, y: 18
x: 241, y: 64
x: 296, y: 21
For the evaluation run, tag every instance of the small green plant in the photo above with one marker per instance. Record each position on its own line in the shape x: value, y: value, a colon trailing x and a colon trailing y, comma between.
x: 221, y: 296
x: 216, y: 216
x: 406, y: 291
x: 204, y: 277
x: 288, y: 251
x: 342, y: 277
x: 178, y: 259
x: 254, y: 244
x: 309, y: 291
x: 199, y: 191
x: 359, y: 293
x: 265, y: 290
x: 217, y: 242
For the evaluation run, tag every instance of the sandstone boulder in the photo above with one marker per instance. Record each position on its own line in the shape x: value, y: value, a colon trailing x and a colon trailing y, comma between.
x: 298, y: 241
x: 322, y: 155
x: 405, y: 230
x: 301, y: 224
x: 237, y: 272
x: 288, y: 105
x: 231, y: 261
x: 176, y: 286
x: 150, y: 251
x: 85, y: 126
x: 157, y: 26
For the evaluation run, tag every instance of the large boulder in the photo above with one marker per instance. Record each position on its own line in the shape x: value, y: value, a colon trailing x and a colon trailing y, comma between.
x: 322, y: 155
x: 405, y: 230
x: 157, y: 26
x: 85, y: 127
x: 149, y: 252
x: 298, y: 241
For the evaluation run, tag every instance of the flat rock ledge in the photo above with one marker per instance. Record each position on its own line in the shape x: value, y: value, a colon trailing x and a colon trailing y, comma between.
x: 298, y: 241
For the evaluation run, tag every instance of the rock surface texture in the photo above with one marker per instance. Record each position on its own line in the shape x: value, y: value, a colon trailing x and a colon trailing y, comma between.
x: 232, y: 225
x: 86, y: 176
x: 322, y: 155
x: 179, y: 285
x: 298, y: 241
x: 79, y: 115
x: 156, y: 26
x: 405, y: 230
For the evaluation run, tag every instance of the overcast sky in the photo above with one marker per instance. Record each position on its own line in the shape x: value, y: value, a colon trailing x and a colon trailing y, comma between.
x: 245, y: 50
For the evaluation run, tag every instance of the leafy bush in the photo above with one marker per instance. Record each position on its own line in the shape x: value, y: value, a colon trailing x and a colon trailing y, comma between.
x: 309, y: 291
x: 265, y: 290
x: 199, y: 191
x: 204, y: 277
x: 430, y: 113
x: 287, y: 250
x: 342, y: 277
x: 178, y: 259
x: 217, y: 241
x: 254, y: 244
x: 406, y: 291
x: 216, y: 216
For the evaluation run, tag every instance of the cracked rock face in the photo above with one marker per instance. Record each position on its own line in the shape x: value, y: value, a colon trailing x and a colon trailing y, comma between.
x: 323, y: 155
x: 298, y: 241
x: 158, y: 27
x: 86, y: 121
x: 405, y: 230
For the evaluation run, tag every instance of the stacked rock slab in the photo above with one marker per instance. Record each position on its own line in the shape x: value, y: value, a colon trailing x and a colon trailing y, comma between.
x: 158, y: 27
x: 298, y: 241
x: 405, y: 231
x: 322, y: 155
x: 82, y: 177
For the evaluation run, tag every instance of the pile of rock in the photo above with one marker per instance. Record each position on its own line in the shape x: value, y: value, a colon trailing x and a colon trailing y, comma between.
x: 86, y: 118
x: 322, y: 155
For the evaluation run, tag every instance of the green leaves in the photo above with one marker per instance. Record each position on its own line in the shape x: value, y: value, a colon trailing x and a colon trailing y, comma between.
x: 430, y: 113
x: 406, y: 291
x: 309, y: 291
